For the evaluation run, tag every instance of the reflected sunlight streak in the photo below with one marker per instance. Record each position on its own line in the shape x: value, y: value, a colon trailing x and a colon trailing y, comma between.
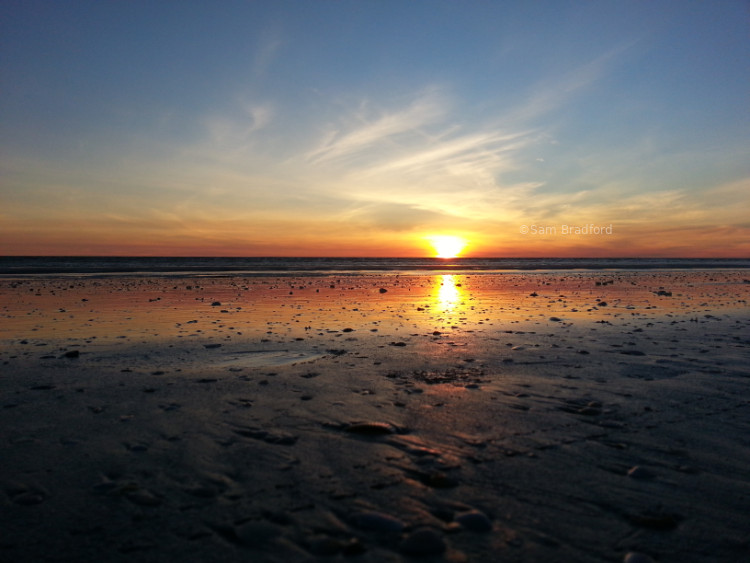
x: 449, y: 294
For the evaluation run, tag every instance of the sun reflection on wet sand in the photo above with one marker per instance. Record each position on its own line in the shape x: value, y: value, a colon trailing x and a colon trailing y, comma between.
x: 448, y: 292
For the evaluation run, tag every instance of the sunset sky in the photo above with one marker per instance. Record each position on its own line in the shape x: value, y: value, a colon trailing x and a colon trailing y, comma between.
x: 364, y: 128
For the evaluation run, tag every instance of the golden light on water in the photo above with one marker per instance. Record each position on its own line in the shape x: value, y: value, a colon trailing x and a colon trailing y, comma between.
x: 447, y: 246
x: 448, y: 292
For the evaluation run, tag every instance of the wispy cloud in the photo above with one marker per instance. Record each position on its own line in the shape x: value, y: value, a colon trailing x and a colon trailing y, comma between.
x: 269, y: 44
x: 425, y: 165
x: 470, y: 153
x: 419, y: 155
x: 555, y: 92
x: 368, y: 133
x: 236, y: 130
x: 427, y: 156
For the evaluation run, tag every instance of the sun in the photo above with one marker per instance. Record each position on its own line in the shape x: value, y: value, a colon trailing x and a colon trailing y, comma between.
x: 447, y: 246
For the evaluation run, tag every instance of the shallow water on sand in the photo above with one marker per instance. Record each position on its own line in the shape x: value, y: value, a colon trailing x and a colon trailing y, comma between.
x: 241, y: 309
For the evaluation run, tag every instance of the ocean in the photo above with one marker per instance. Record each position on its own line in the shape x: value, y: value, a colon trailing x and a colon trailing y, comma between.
x: 165, y: 266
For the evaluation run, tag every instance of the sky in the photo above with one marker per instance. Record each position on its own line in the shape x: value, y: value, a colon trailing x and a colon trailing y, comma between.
x: 364, y: 128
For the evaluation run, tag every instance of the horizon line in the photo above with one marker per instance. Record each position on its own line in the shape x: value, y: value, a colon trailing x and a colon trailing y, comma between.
x: 356, y: 257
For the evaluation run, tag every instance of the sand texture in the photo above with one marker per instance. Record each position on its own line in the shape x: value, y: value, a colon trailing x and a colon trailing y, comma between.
x: 548, y: 416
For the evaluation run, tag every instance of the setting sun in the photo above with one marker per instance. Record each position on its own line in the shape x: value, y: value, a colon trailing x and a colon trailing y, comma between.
x: 447, y: 246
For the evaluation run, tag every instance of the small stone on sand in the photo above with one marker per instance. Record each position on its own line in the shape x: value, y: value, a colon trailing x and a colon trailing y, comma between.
x: 474, y: 520
x: 424, y: 541
x: 28, y: 498
x: 325, y: 546
x: 377, y: 521
x: 639, y: 472
x: 144, y: 498
x: 371, y: 428
x: 439, y: 480
x: 635, y: 557
x: 256, y: 532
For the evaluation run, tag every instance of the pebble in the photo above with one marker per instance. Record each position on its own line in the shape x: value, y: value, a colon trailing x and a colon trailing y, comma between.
x: 655, y: 520
x: 353, y: 547
x: 144, y: 498
x: 424, y: 541
x: 28, y: 498
x: 475, y: 521
x: 371, y: 428
x: 377, y: 521
x: 277, y: 437
x: 201, y: 491
x: 280, y: 437
x: 325, y: 546
x: 256, y: 532
x: 635, y: 557
x: 439, y: 480
x: 639, y: 472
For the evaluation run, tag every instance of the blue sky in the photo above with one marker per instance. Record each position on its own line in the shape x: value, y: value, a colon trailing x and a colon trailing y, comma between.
x: 360, y: 128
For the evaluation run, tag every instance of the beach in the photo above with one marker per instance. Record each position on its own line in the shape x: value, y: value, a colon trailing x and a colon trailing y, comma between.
x: 515, y: 416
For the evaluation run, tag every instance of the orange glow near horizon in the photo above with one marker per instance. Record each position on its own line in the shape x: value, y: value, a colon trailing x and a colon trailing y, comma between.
x: 91, y: 237
x: 447, y: 246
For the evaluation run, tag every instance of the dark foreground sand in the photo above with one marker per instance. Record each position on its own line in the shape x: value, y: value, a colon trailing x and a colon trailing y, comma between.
x: 516, y: 417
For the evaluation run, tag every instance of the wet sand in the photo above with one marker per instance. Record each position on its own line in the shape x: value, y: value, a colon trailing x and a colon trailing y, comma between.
x: 547, y: 416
